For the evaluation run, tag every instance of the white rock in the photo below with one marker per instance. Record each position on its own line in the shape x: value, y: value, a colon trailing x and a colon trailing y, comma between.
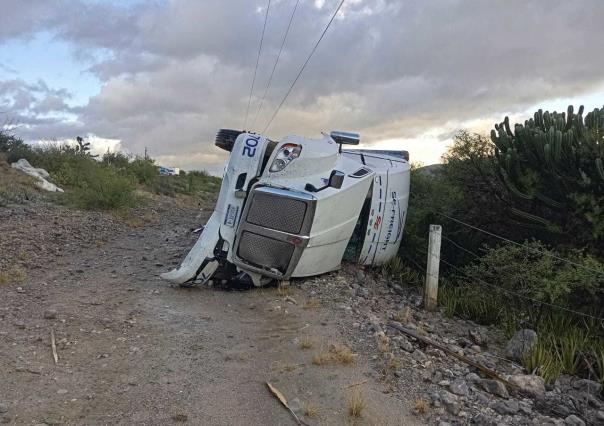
x: 529, y: 383
x: 40, y: 174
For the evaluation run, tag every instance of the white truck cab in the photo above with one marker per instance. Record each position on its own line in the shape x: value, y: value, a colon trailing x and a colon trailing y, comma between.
x: 294, y: 208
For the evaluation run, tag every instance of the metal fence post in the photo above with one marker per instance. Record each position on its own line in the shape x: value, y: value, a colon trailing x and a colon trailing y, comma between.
x: 431, y: 284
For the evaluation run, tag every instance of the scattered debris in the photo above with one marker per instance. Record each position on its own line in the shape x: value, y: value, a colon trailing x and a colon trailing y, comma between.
x: 277, y: 394
x: 54, y: 346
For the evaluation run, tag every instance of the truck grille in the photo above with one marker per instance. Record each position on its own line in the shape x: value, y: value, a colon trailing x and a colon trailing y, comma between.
x: 274, y: 212
x: 264, y: 251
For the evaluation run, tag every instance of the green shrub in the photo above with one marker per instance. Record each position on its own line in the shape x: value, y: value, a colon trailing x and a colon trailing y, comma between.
x: 102, y: 188
x: 116, y: 159
x: 541, y: 359
x: 192, y: 183
x: 466, y: 302
x: 534, y: 271
x: 597, y: 353
x: 144, y: 170
x: 552, y: 166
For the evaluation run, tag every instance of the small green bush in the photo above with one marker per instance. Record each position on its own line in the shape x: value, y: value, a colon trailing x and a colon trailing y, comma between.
x: 116, y: 159
x: 535, y: 271
x: 144, y: 170
x: 102, y: 188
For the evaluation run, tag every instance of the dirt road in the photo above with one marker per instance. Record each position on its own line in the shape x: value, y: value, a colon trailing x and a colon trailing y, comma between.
x: 134, y: 351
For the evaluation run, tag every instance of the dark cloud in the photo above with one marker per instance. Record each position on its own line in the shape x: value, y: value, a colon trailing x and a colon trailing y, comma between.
x: 175, y: 71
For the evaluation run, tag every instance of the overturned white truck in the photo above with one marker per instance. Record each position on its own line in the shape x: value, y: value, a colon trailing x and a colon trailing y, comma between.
x: 297, y: 207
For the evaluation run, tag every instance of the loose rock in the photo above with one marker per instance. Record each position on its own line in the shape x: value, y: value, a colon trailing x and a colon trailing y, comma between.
x: 494, y: 387
x: 521, y: 343
x: 574, y: 421
x: 477, y: 337
x: 450, y: 402
x: 459, y: 387
x: 50, y: 314
x: 510, y: 407
x: 530, y: 383
x: 588, y: 386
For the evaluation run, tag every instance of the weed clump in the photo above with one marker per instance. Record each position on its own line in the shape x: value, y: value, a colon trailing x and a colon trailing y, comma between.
x: 309, y: 410
x: 356, y: 403
x: 421, y: 406
x: 312, y: 303
x: 336, y: 354
x: 305, y: 343
x: 383, y: 342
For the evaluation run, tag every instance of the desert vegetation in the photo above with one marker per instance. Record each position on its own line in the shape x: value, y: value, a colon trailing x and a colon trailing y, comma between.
x: 111, y: 182
x: 540, y: 185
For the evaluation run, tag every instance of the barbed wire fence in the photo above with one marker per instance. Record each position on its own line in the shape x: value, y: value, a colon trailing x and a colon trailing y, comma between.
x: 489, y: 287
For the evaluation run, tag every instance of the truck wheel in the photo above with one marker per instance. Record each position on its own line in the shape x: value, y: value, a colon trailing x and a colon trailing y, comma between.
x: 225, y: 138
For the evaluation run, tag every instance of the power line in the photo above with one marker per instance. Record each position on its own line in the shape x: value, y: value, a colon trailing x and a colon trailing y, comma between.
x: 257, y: 62
x: 270, y: 79
x: 553, y: 256
x: 303, y: 66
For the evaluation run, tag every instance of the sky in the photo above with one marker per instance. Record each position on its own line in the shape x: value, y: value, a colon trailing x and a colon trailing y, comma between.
x: 165, y: 75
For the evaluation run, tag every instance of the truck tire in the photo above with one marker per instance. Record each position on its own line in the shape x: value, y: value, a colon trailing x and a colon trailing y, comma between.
x: 225, y: 138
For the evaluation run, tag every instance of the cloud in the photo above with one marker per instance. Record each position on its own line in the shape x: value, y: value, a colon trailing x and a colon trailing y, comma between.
x: 173, y: 72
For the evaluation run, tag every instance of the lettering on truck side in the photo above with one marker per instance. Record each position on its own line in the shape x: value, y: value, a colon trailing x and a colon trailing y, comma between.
x: 250, y: 146
x: 395, y: 207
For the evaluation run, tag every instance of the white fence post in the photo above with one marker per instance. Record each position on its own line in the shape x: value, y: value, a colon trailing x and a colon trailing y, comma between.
x: 431, y: 284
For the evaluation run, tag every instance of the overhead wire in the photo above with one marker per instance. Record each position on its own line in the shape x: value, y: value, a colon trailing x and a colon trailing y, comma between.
x: 553, y: 256
x: 303, y: 67
x: 257, y: 62
x: 270, y: 79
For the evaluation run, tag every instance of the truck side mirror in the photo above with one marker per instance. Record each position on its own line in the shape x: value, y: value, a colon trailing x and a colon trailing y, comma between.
x: 336, y: 179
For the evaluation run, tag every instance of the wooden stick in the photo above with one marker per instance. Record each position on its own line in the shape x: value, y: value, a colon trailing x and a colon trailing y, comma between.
x: 54, y: 346
x: 355, y: 384
x: 487, y: 371
x: 539, y: 401
x: 277, y: 394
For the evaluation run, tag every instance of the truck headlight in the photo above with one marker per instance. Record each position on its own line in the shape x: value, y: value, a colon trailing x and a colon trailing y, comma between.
x: 286, y: 154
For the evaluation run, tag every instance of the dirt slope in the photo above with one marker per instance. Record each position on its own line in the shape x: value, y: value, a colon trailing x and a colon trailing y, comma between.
x: 134, y: 351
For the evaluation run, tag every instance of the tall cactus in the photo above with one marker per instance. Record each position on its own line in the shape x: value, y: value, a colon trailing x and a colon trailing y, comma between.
x: 553, y: 166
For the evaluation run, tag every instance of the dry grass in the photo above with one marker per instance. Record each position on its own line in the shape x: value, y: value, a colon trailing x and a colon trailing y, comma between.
x: 383, y: 342
x: 305, y: 343
x: 421, y: 406
x: 337, y: 354
x: 309, y: 410
x: 134, y: 222
x: 289, y: 367
x: 13, y: 275
x: 393, y: 363
x: 322, y: 358
x: 404, y: 316
x: 284, y: 289
x: 23, y: 255
x: 312, y: 303
x: 180, y: 418
x: 356, y: 403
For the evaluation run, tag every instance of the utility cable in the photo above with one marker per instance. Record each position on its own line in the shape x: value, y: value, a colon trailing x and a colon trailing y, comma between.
x: 270, y: 79
x: 303, y: 67
x: 257, y: 62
